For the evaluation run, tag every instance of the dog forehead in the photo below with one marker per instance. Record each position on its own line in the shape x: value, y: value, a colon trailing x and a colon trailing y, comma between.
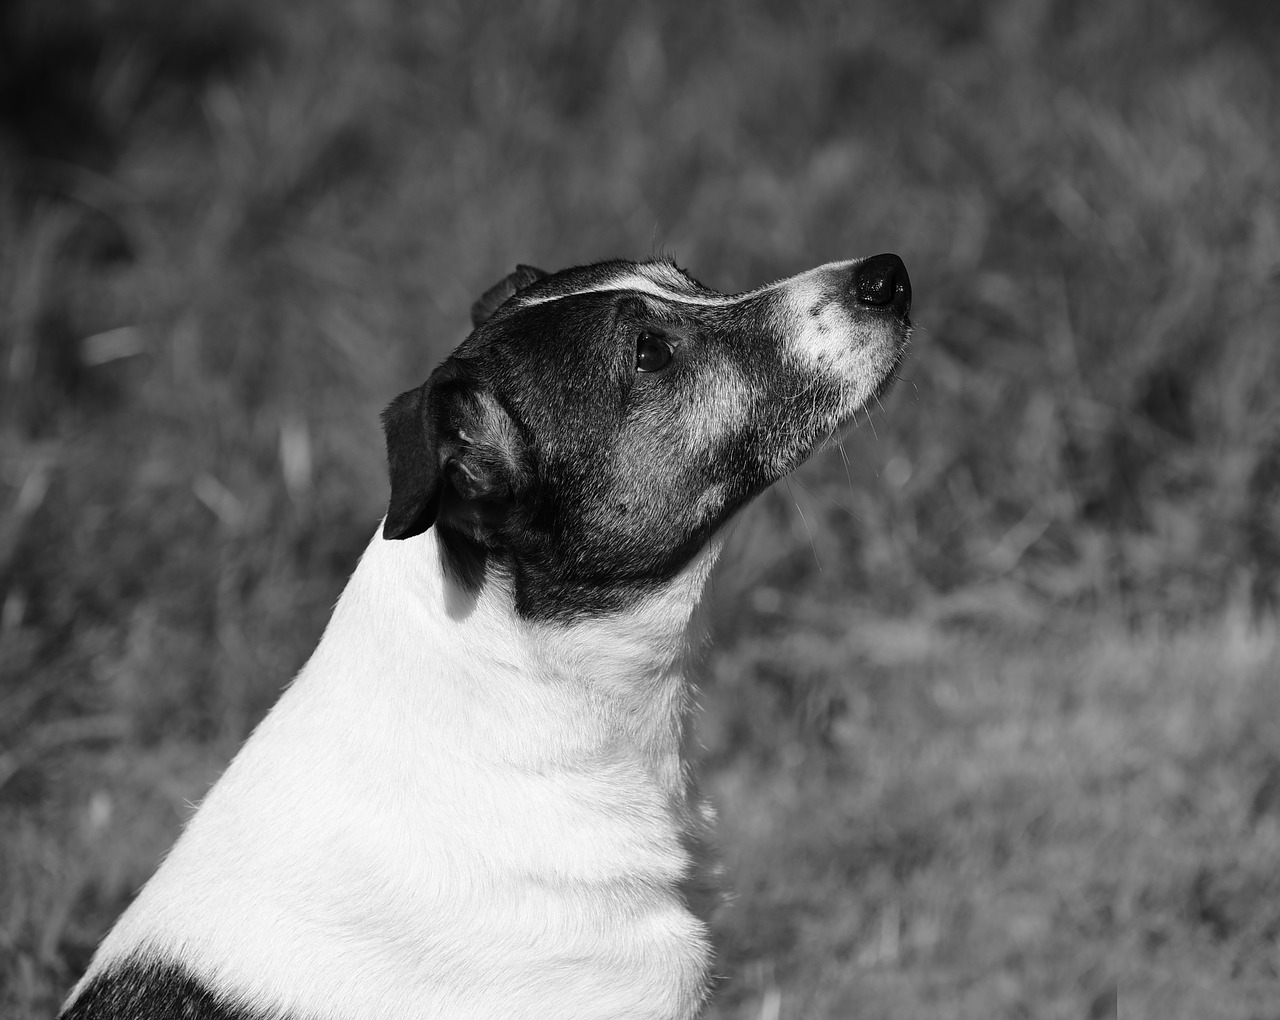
x: 656, y: 278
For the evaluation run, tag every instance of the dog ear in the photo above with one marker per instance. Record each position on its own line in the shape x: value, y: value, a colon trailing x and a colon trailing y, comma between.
x: 410, y: 426
x: 453, y: 453
x: 498, y: 295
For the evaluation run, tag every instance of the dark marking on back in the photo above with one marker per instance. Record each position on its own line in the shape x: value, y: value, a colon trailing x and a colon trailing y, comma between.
x: 151, y: 990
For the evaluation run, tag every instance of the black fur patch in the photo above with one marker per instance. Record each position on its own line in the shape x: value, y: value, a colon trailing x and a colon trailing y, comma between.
x: 600, y: 483
x: 135, y: 990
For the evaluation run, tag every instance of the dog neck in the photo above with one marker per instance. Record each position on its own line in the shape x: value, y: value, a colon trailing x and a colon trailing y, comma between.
x: 611, y: 685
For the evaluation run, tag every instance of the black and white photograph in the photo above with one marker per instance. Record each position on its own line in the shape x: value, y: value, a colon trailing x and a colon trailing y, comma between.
x: 666, y: 511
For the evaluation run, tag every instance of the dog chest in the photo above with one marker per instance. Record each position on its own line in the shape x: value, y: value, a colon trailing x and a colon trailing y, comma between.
x: 444, y: 818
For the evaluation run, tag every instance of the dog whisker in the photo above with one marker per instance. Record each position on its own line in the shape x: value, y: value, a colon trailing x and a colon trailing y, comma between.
x: 819, y: 494
x: 848, y: 473
x: 805, y: 521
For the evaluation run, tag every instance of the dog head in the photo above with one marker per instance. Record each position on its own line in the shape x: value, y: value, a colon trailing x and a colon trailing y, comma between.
x: 601, y: 423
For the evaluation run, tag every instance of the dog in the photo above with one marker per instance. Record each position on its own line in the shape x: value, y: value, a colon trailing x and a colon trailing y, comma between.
x: 476, y: 798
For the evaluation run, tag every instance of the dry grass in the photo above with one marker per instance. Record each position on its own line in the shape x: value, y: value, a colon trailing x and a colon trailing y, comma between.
x: 990, y: 716
x: 975, y: 825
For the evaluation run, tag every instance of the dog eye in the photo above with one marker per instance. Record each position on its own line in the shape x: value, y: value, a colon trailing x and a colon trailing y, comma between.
x: 652, y: 352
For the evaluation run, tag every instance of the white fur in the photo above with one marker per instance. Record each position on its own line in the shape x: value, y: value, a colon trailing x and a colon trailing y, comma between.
x: 642, y: 278
x: 831, y: 339
x: 452, y: 813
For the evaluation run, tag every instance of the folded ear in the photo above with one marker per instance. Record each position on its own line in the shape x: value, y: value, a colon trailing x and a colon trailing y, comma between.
x: 498, y: 295
x: 453, y: 454
x: 411, y: 427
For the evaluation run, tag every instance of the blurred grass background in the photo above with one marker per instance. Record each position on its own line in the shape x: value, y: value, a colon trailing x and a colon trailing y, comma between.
x: 993, y: 719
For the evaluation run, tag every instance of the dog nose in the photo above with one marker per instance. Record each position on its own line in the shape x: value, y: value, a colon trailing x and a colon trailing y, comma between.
x: 882, y: 281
